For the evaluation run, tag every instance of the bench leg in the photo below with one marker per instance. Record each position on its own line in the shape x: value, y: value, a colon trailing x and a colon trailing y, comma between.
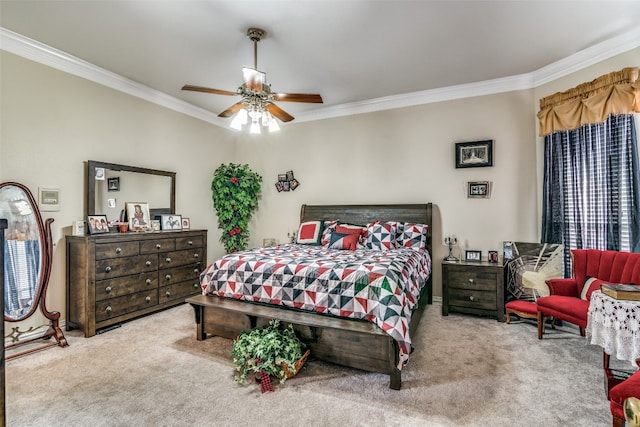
x: 199, y: 314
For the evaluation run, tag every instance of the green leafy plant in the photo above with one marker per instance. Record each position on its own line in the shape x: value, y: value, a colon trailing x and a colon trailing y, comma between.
x: 268, y: 350
x: 235, y: 192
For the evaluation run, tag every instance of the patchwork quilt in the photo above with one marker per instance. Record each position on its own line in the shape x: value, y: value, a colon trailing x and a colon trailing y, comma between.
x: 379, y: 286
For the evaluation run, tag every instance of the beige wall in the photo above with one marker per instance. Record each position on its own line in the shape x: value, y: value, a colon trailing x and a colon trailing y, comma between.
x: 52, y: 122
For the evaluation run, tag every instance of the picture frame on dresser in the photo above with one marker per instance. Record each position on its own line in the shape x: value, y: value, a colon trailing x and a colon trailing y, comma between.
x: 138, y: 215
x: 186, y: 223
x: 473, y: 256
x: 97, y: 224
x: 170, y: 222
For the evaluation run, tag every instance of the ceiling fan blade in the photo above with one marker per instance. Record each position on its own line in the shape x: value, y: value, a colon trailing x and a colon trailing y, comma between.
x: 298, y: 97
x: 208, y: 90
x: 232, y: 110
x: 254, y: 79
x: 279, y: 112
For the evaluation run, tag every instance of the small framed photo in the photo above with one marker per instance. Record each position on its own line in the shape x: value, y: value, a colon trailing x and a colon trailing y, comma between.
x: 279, y: 186
x: 97, y: 224
x: 282, y: 177
x: 285, y: 186
x: 268, y: 242
x: 493, y: 256
x: 479, y: 189
x: 475, y: 256
x: 289, y: 175
x: 474, y: 154
x: 49, y: 199
x: 113, y: 184
x: 293, y: 184
x: 186, y: 223
x: 171, y: 222
x: 155, y: 224
x: 138, y: 215
x: 507, y: 251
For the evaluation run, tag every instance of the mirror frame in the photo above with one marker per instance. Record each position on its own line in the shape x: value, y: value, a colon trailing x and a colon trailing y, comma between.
x: 90, y: 207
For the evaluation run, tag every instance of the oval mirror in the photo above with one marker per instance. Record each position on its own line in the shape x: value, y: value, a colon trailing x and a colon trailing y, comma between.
x: 27, y: 260
x: 25, y: 251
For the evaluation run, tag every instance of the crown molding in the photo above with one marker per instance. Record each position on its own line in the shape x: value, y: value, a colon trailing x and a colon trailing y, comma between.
x: 39, y: 52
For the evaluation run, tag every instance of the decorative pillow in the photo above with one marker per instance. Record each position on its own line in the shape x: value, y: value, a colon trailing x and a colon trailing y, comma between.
x: 381, y: 235
x: 344, y: 241
x: 329, y: 227
x: 590, y: 284
x: 413, y: 236
x: 309, y: 233
x: 353, y: 229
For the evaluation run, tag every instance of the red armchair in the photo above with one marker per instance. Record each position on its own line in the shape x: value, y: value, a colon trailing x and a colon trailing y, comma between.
x: 569, y: 299
x: 617, y: 395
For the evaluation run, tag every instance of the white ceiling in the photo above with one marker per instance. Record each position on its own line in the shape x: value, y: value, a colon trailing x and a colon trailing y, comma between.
x: 357, y: 54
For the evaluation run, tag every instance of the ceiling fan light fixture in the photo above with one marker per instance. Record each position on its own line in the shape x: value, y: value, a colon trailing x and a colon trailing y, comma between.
x: 273, y: 125
x: 239, y: 120
x: 255, y: 128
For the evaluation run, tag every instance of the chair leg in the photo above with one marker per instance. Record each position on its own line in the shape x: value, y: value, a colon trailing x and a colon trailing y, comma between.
x: 617, y: 422
x: 540, y: 325
x: 508, y: 315
x: 582, y: 332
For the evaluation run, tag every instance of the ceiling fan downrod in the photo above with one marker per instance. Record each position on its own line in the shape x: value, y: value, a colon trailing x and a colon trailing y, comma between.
x: 255, y: 35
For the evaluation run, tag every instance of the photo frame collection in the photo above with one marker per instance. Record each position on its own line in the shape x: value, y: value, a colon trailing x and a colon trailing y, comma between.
x: 286, y: 182
x: 136, y: 217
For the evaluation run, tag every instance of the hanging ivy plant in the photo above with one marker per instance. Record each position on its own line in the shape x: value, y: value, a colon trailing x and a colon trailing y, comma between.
x: 235, y: 190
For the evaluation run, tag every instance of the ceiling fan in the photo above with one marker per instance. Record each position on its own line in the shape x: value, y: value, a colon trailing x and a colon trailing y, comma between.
x: 257, y: 99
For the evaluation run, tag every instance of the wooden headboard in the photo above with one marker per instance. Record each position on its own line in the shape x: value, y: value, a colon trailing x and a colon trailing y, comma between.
x: 364, y: 214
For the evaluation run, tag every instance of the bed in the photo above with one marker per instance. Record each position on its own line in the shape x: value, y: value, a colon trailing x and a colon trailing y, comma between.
x: 348, y: 329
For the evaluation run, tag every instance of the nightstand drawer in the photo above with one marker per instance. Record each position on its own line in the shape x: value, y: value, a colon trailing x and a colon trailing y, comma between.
x: 472, y: 280
x: 472, y: 299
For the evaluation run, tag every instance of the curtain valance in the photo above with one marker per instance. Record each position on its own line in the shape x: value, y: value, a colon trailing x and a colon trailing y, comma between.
x: 591, y: 102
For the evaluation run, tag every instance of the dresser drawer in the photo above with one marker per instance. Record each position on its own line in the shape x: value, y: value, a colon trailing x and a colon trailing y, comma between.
x: 179, y: 290
x: 118, y: 306
x: 126, y: 285
x: 479, y: 280
x: 179, y: 274
x: 175, y: 258
x: 116, y: 250
x: 189, y: 242
x: 116, y: 267
x: 157, y: 245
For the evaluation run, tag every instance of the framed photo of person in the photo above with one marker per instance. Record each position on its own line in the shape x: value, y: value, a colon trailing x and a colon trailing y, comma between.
x: 97, y: 224
x: 138, y: 215
x: 170, y: 222
x: 186, y: 223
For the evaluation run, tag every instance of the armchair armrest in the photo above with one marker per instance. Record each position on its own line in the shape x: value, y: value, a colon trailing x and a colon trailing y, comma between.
x: 565, y: 287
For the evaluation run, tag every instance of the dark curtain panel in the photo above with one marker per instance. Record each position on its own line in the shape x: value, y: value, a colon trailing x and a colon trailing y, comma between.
x: 591, y: 192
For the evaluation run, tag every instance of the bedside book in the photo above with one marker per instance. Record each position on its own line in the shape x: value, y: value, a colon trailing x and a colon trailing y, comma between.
x: 628, y: 292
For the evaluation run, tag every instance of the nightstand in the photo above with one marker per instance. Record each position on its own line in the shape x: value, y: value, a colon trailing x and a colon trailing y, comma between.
x: 473, y: 288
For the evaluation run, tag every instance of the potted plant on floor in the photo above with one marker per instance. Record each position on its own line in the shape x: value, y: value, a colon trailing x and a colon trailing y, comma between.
x: 268, y: 352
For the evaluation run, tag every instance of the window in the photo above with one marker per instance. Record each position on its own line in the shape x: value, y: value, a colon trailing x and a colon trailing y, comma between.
x: 591, y: 196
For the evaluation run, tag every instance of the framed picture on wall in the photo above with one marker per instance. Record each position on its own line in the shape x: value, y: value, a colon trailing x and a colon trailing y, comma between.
x: 474, y: 154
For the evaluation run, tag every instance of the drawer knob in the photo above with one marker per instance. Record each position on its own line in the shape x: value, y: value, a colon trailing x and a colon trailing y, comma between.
x: 195, y: 285
x: 168, y: 293
x: 107, y: 289
x: 148, y: 281
x: 471, y: 298
x: 148, y: 263
x: 195, y: 270
x: 158, y: 245
x: 190, y: 243
x: 168, y: 259
x: 196, y: 256
x: 107, y: 269
x: 108, y: 309
x: 168, y: 277
x: 118, y: 250
x: 470, y: 280
x: 148, y: 299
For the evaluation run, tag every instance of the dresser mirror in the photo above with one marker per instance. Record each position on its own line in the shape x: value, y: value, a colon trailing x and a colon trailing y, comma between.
x: 110, y: 186
x: 27, y: 252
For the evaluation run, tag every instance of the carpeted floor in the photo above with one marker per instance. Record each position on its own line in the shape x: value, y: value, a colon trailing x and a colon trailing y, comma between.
x: 465, y: 371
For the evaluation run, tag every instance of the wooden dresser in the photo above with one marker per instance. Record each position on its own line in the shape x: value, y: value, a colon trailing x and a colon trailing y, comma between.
x: 473, y: 288
x: 116, y: 277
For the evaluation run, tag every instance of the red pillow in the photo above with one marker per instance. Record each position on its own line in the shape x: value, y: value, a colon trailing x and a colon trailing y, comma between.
x: 344, y: 241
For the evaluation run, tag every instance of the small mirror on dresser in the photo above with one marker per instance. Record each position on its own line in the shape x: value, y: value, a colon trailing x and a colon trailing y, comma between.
x: 110, y: 186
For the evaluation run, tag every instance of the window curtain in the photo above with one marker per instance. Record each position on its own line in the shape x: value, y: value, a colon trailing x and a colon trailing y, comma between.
x: 592, y: 102
x: 591, y: 194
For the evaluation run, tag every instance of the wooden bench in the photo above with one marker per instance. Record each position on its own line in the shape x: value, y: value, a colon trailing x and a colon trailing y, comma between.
x: 349, y: 342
